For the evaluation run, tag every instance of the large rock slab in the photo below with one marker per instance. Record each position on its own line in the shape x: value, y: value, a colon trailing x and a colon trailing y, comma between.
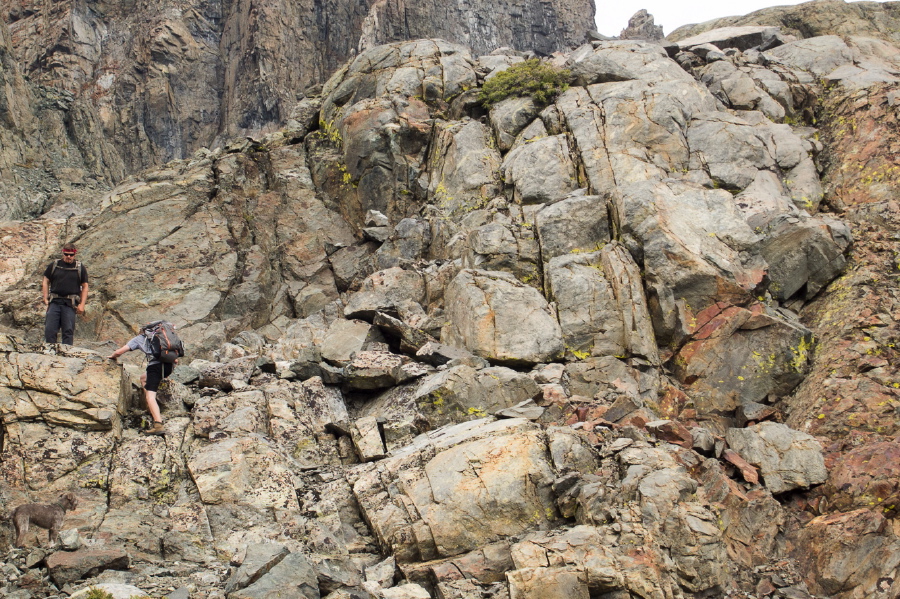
x: 464, y: 393
x: 742, y: 38
x: 346, y: 337
x: 787, y: 459
x: 384, y: 291
x: 259, y: 558
x: 697, y: 250
x: 468, y: 170
x: 245, y: 470
x: 851, y: 554
x: 66, y: 567
x: 297, y: 416
x: 578, y: 223
x: 600, y: 304
x: 443, y: 475
x: 582, y: 563
x: 722, y: 375
x: 68, y: 387
x: 293, y: 576
x: 540, y: 171
x: 501, y: 319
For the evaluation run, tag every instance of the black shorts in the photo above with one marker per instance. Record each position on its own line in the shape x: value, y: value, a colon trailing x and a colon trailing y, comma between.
x: 155, y: 374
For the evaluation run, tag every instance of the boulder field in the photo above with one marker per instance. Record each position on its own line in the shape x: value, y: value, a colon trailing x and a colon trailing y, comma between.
x: 637, y: 342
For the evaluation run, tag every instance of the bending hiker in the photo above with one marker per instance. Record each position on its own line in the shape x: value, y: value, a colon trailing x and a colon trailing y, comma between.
x: 65, y: 290
x: 163, y: 348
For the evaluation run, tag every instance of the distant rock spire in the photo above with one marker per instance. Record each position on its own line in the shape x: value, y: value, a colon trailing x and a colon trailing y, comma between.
x: 641, y: 27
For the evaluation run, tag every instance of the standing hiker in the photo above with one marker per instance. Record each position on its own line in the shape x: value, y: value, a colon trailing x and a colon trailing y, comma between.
x: 162, y: 346
x: 65, y: 290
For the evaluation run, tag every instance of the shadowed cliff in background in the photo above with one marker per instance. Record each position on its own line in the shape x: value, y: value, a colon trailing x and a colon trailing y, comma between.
x: 167, y: 77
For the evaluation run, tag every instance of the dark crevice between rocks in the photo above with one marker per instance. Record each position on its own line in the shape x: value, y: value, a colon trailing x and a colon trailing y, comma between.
x: 107, y: 485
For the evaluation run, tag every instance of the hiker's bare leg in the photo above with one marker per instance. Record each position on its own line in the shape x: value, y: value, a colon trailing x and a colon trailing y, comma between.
x: 150, y: 397
x: 152, y: 405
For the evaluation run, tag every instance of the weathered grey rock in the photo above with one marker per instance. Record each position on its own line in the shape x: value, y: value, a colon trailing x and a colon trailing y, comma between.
x: 742, y: 38
x: 367, y: 439
x: 469, y: 173
x: 406, y: 591
x: 540, y: 171
x: 641, y: 27
x: 601, y: 305
x: 613, y: 61
x: 697, y: 249
x: 382, y: 573
x: 787, y: 459
x: 70, y: 540
x: 609, y: 377
x: 510, y: 117
x: 464, y: 393
x: 384, y: 291
x: 804, y: 255
x: 479, y: 306
x: 293, y: 576
x: 525, y: 409
x: 71, y: 388
x: 69, y: 566
x: 720, y: 372
x: 239, y: 412
x: 245, y: 471
x: 412, y: 339
x: 506, y: 247
x: 738, y: 89
x: 375, y: 218
x: 516, y: 499
x: 582, y: 560
x: 220, y: 376
x: 259, y: 559
x: 349, y: 263
x: 379, y: 369
x: 337, y: 573
x: 409, y: 241
x: 578, y: 223
x: 346, y: 337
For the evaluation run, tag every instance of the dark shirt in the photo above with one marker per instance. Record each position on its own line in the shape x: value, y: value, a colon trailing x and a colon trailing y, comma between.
x: 64, y: 280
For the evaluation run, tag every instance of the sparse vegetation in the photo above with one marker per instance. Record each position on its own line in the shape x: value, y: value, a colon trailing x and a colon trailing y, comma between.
x: 97, y: 593
x: 539, y: 80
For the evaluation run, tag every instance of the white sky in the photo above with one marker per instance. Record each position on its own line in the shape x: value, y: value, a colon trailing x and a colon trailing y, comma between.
x: 612, y: 17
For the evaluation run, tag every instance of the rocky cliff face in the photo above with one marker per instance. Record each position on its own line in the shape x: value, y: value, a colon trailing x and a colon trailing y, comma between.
x: 639, y: 342
x: 168, y: 77
x: 53, y: 158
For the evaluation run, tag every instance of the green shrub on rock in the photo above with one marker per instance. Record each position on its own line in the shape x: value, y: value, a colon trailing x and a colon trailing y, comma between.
x: 540, y: 80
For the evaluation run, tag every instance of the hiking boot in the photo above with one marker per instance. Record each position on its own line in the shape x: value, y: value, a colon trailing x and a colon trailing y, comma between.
x: 156, y: 429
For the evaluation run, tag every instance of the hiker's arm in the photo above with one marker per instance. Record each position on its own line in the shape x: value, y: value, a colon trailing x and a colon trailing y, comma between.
x: 45, y: 290
x: 118, y: 352
x: 84, y: 292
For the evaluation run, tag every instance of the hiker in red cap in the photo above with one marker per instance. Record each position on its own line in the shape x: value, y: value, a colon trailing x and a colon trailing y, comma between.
x: 65, y: 291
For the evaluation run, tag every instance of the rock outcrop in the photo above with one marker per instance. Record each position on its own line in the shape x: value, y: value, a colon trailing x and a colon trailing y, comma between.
x: 813, y: 19
x: 163, y: 81
x: 609, y: 345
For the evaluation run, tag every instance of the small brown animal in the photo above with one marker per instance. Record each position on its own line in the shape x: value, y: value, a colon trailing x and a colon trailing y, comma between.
x: 43, y: 515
